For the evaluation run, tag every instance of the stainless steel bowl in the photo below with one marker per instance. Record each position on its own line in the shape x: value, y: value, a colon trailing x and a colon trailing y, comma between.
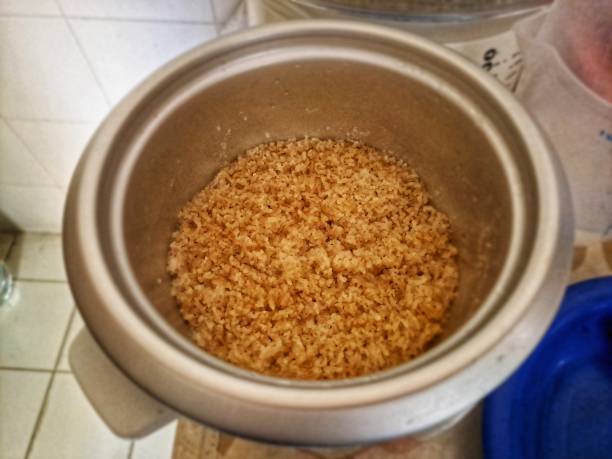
x: 480, y: 154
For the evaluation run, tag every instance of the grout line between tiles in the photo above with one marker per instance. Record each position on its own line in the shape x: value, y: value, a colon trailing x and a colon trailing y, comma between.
x: 40, y: 416
x: 107, y: 98
x: 131, y: 450
x: 49, y: 177
x: 11, y: 245
x: 48, y: 120
x: 43, y: 281
x: 63, y: 344
x: 143, y: 20
x: 215, y: 18
x: 26, y: 369
x: 238, y: 5
x: 30, y: 16
x: 72, y: 319
x: 10, y: 249
x: 220, y: 25
x: 102, y: 18
x: 45, y: 402
x: 21, y: 185
x: 9, y: 253
x: 38, y: 233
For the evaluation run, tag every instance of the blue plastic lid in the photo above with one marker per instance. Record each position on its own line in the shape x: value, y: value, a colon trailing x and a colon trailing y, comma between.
x: 559, y: 402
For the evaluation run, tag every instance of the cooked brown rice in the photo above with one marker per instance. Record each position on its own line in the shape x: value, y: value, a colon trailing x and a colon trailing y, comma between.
x: 313, y: 259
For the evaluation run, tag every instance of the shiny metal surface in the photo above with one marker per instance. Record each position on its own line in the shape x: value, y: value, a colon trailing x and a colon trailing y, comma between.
x: 481, y: 156
x: 451, y: 29
x: 430, y: 10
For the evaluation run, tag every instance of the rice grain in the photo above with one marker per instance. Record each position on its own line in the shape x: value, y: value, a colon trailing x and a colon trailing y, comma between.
x: 313, y: 259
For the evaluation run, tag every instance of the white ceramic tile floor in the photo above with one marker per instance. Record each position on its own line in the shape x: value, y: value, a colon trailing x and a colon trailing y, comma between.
x: 35, y: 333
x: 33, y: 327
x: 29, y: 7
x: 71, y: 429
x: 76, y: 324
x: 48, y: 77
x: 124, y: 53
x: 157, y: 445
x: 17, y: 166
x: 21, y: 398
x: 57, y: 146
x: 38, y: 257
x: 32, y: 208
x: 163, y: 10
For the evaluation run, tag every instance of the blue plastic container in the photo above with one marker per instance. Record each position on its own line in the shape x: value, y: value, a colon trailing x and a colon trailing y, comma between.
x: 559, y: 403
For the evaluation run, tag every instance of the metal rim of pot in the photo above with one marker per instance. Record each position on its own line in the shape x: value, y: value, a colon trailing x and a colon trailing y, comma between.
x: 226, y: 379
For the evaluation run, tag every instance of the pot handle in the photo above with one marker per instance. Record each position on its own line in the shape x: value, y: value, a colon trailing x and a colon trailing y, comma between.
x: 125, y: 408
